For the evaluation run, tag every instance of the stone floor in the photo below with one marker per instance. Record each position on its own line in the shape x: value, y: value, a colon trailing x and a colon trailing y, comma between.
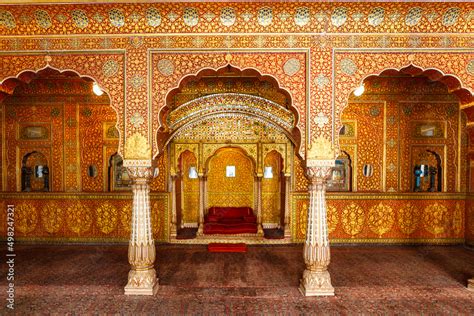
x: 368, y: 280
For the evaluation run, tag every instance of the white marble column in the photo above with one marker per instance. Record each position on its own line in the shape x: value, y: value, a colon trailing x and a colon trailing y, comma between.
x: 202, y: 184
x: 470, y: 284
x: 287, y: 231
x: 316, y: 280
x: 174, y: 220
x: 259, y: 206
x: 142, y: 278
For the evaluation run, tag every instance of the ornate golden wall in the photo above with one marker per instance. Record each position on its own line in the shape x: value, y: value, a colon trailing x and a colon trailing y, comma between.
x: 77, y: 217
x: 319, y: 52
x: 391, y: 218
x: 231, y: 191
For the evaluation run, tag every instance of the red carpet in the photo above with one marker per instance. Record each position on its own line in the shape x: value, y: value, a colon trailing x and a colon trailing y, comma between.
x: 222, y: 247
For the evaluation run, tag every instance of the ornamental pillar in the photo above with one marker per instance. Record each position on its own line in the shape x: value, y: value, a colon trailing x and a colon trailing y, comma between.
x: 470, y: 284
x: 287, y: 232
x: 259, y: 206
x: 174, y: 219
x: 202, y: 192
x: 316, y: 280
x: 142, y: 278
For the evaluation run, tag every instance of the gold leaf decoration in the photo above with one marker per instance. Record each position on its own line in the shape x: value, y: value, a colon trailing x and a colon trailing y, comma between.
x: 52, y: 217
x: 321, y: 149
x: 408, y: 218
x: 332, y: 217
x: 353, y: 218
x: 126, y: 217
x: 137, y: 147
x: 436, y: 218
x: 79, y: 218
x: 106, y: 216
x: 26, y: 218
x: 381, y: 219
x: 457, y: 219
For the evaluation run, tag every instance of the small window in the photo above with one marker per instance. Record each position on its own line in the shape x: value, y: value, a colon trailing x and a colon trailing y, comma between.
x: 92, y: 171
x: 368, y: 170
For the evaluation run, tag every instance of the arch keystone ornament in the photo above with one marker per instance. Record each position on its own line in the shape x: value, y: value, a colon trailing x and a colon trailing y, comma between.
x: 316, y: 280
x: 142, y: 278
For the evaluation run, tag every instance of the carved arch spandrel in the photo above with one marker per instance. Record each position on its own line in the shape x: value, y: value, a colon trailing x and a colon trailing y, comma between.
x: 110, y: 77
x: 178, y: 65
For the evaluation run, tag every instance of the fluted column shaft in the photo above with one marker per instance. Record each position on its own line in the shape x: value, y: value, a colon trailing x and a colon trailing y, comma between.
x: 316, y: 280
x: 141, y: 249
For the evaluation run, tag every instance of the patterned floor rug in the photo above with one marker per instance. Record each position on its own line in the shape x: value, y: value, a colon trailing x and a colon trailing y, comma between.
x: 80, y: 279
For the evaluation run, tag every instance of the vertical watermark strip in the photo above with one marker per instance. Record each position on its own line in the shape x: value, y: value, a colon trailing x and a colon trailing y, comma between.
x: 10, y: 256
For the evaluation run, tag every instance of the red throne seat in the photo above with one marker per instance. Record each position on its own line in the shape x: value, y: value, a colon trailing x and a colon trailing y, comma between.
x: 230, y: 220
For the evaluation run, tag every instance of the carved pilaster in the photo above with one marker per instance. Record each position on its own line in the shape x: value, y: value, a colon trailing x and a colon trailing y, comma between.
x: 142, y: 278
x: 202, y: 181
x: 173, y: 228
x: 316, y: 280
x: 259, y: 206
x: 470, y: 284
x: 287, y: 230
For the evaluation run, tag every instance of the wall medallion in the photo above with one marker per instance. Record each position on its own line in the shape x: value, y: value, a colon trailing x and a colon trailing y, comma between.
x: 116, y: 17
x: 451, y: 16
x: 321, y: 81
x: 43, y: 19
x: 190, y: 16
x: 408, y: 219
x: 381, y: 219
x: 137, y: 119
x: 165, y: 67
x: 7, y: 19
x: 79, y: 17
x: 153, y: 17
x: 136, y: 81
x: 52, y: 217
x: 436, y: 218
x: 79, y: 218
x: 26, y: 218
x: 339, y: 16
x: 265, y: 16
x: 470, y: 67
x: 348, y: 66
x: 110, y: 68
x: 292, y: 66
x: 228, y: 16
x: 413, y: 16
x: 353, y: 218
x: 106, y: 218
x: 302, y: 16
x: 376, y: 16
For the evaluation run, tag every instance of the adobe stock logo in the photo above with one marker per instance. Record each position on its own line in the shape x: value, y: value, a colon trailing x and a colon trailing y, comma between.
x: 10, y: 256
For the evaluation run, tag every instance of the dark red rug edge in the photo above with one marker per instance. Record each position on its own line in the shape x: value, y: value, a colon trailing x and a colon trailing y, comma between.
x: 226, y: 247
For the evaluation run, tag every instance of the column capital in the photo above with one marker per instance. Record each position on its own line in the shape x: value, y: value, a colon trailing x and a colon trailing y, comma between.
x: 139, y: 169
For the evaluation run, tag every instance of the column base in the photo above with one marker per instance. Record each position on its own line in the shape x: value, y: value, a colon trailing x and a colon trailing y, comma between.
x: 142, y: 282
x: 470, y: 284
x: 316, y: 283
x: 287, y: 232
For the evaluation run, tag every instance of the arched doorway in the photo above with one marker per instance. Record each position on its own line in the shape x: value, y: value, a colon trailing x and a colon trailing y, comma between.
x: 216, y: 112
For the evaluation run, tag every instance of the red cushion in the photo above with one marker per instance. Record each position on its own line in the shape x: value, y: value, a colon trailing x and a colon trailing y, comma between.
x: 250, y: 219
